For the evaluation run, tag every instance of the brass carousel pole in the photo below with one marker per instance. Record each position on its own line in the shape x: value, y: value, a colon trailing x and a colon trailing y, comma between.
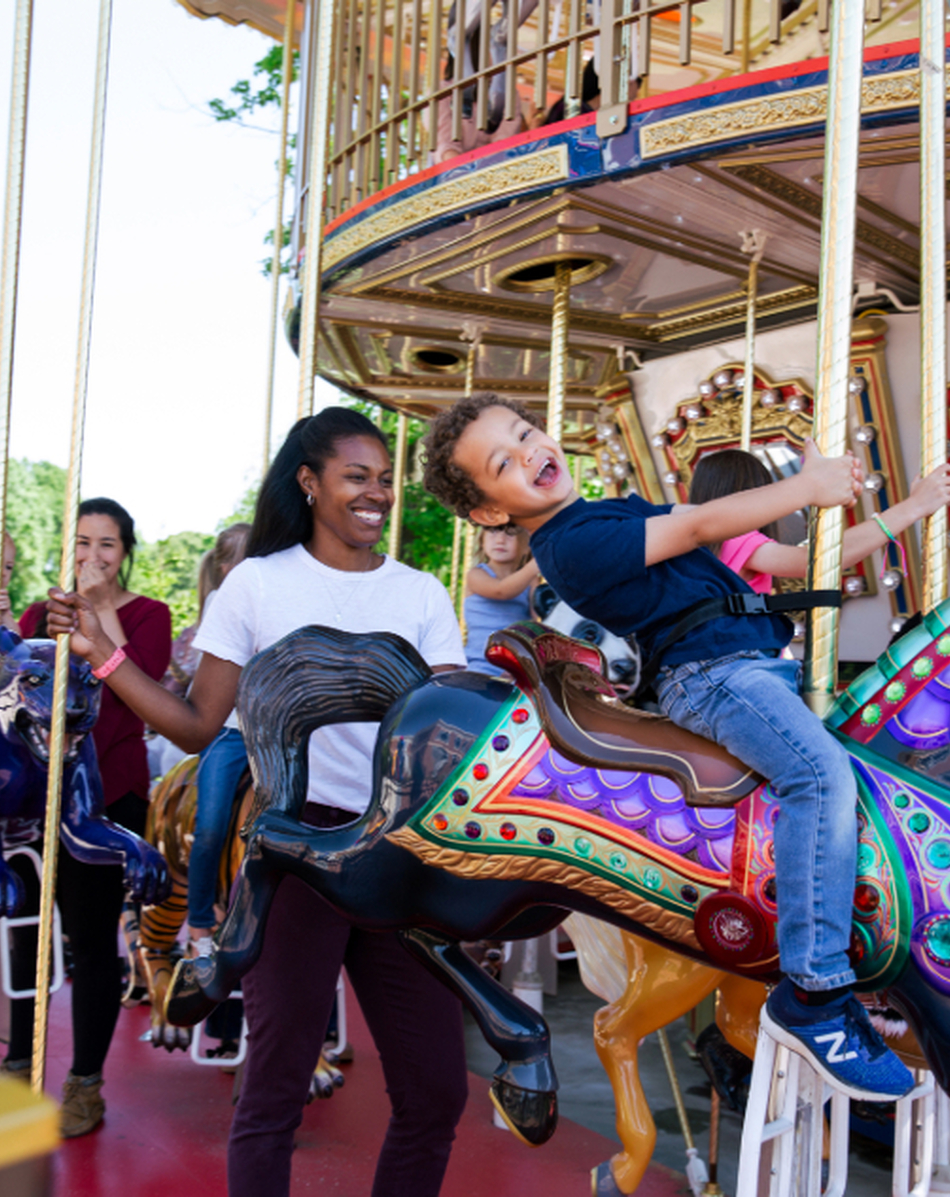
x: 473, y: 334
x: 12, y: 220
x: 67, y: 571
x: 836, y: 271
x: 753, y: 242
x: 933, y: 287
x: 288, y: 69
x: 560, y: 324
x: 399, y: 486
x: 319, y: 125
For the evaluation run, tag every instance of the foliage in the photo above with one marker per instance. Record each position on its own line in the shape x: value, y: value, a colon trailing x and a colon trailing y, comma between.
x: 249, y: 101
x: 36, y: 494
x: 244, y: 512
x: 168, y: 571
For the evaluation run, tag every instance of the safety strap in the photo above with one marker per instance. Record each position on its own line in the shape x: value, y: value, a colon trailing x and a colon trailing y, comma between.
x: 745, y: 603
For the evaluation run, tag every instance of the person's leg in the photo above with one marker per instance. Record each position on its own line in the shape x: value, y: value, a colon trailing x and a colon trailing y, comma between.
x: 288, y: 995
x: 752, y: 707
x: 90, y: 898
x: 222, y: 764
x: 417, y: 1026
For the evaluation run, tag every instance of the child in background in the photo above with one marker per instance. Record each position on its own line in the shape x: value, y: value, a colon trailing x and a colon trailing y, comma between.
x: 636, y: 567
x: 497, y: 590
x: 758, y: 557
x: 9, y: 560
x: 222, y: 763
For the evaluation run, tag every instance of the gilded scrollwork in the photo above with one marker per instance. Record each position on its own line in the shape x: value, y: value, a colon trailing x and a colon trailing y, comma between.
x: 457, y: 195
x: 805, y: 107
x: 484, y: 866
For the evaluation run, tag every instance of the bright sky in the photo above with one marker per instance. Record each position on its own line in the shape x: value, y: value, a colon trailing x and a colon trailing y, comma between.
x: 174, y: 426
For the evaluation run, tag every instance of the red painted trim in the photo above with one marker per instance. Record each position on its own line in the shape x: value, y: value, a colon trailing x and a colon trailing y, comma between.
x: 650, y: 104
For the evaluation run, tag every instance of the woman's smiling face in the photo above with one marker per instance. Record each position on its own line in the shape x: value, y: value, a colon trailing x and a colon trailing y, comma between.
x: 354, y: 493
x: 99, y: 545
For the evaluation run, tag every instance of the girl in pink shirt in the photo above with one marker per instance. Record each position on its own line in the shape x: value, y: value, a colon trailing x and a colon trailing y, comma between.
x: 758, y: 557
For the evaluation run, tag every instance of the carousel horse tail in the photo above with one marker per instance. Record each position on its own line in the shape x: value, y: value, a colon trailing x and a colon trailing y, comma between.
x: 312, y: 677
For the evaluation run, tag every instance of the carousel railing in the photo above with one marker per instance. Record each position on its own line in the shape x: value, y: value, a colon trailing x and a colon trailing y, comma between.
x: 405, y: 86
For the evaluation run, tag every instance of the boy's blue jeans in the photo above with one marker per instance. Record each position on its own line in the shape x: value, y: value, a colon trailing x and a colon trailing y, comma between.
x: 222, y: 763
x: 750, y: 703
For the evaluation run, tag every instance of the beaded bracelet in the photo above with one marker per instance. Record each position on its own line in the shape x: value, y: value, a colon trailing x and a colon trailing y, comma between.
x: 110, y: 666
x: 893, y: 539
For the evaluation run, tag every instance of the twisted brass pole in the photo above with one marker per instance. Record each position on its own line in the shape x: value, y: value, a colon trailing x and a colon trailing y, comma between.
x: 67, y: 571
x: 12, y: 220
x: 836, y: 269
x: 456, y: 582
x: 399, y: 486
x: 933, y: 287
x: 560, y: 327
x: 753, y: 242
x: 288, y: 69
x: 319, y: 126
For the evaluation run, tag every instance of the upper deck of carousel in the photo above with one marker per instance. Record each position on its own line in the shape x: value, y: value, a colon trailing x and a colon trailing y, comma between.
x: 708, y: 123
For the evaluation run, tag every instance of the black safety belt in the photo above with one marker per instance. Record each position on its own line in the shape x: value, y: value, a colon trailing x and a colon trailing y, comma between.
x: 746, y: 603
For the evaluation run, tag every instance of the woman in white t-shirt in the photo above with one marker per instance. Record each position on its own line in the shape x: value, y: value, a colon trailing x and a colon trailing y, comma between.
x: 311, y: 560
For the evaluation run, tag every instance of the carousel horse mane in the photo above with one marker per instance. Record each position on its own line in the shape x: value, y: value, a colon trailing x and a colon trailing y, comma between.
x: 311, y: 677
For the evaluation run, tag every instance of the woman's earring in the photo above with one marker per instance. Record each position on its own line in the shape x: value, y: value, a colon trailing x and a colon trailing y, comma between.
x: 309, y: 499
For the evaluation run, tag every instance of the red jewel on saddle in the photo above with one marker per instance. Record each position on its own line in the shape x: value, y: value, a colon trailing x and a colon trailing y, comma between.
x: 480, y: 772
x: 519, y: 715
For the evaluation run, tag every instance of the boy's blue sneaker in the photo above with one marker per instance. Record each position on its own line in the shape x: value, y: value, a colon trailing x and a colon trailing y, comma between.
x: 839, y: 1042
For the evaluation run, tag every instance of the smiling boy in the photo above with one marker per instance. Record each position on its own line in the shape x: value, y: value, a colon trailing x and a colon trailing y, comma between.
x: 636, y: 568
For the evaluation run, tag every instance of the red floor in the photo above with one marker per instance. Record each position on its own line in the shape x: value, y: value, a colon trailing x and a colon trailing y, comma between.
x: 167, y: 1122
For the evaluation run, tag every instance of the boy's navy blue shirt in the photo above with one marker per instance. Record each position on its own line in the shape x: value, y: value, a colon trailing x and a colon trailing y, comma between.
x: 593, y: 554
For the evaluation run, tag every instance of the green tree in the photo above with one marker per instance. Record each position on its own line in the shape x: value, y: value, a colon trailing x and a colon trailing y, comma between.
x: 36, y: 492
x: 168, y: 571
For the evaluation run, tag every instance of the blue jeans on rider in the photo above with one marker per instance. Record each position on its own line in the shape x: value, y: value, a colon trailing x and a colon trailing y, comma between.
x: 222, y: 763
x: 750, y: 703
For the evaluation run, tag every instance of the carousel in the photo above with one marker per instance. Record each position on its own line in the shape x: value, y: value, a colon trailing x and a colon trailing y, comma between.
x: 670, y: 228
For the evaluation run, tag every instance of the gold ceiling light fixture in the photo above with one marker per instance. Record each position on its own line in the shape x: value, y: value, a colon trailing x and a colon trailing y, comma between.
x: 538, y: 274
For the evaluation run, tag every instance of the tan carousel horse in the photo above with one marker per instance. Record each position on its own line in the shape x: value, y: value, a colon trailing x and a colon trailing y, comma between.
x: 647, y: 986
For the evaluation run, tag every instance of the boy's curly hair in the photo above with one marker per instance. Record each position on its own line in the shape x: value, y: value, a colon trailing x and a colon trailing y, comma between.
x: 443, y: 478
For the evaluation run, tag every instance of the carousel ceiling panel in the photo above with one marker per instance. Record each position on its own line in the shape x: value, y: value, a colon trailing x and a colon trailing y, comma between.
x: 406, y: 363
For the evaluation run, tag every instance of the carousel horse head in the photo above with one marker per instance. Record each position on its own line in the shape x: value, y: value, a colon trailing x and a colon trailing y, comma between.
x: 26, y: 716
x: 26, y: 697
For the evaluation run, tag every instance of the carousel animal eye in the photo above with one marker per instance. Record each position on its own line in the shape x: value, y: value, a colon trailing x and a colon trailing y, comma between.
x: 589, y: 631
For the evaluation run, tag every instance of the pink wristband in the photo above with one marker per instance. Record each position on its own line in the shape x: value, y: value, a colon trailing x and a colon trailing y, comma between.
x: 110, y: 666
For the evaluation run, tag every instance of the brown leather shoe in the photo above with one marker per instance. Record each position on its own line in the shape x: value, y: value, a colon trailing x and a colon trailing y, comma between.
x: 83, y: 1107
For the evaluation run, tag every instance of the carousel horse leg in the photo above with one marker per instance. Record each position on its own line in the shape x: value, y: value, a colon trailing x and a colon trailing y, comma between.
x: 737, y: 1011
x: 200, y: 983
x: 524, y: 1086
x: 662, y: 986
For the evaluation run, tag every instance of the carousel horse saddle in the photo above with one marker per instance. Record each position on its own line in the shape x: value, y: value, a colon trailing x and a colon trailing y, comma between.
x: 585, y: 721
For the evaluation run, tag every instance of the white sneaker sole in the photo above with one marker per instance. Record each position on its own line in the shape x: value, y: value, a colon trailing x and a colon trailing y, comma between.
x: 793, y: 1043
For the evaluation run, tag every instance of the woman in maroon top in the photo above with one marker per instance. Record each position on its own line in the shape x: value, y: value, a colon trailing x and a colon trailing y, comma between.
x: 90, y: 896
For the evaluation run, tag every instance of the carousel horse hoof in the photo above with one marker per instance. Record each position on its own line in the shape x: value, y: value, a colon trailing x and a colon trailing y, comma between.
x: 187, y: 1004
x: 530, y: 1114
x: 602, y: 1183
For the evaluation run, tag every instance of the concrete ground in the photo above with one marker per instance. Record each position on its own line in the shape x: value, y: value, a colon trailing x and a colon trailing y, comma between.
x: 585, y: 1096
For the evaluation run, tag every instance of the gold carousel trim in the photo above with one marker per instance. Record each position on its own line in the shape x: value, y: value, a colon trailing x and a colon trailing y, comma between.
x: 805, y: 107
x: 485, y: 866
x: 545, y: 166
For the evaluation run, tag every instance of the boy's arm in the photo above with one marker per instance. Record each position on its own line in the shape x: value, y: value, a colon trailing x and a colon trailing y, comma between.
x: 822, y: 482
x: 927, y: 495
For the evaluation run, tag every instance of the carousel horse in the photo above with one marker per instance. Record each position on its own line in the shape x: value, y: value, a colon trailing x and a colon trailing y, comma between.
x: 171, y: 823
x: 498, y: 806
x: 26, y: 703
